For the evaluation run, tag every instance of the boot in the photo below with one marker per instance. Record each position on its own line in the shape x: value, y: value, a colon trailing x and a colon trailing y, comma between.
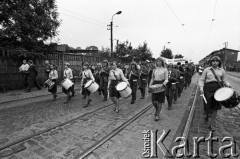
x: 159, y: 107
x: 54, y: 97
x: 156, y: 107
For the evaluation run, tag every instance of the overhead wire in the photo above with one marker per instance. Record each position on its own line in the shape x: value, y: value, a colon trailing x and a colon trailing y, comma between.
x: 211, y: 26
x: 94, y: 21
x: 182, y: 25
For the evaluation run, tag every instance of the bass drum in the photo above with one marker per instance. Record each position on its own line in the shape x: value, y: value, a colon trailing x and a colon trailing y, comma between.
x: 227, y: 97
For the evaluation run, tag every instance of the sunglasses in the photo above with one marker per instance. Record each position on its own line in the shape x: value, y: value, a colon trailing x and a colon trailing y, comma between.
x: 215, y: 61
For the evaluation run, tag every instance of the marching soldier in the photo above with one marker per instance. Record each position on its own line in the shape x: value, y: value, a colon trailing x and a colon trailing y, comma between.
x: 143, y: 81
x: 133, y: 75
x: 104, y: 78
x: 171, y: 87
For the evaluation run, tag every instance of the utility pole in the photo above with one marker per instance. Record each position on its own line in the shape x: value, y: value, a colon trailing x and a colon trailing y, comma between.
x: 111, y: 30
x: 111, y: 37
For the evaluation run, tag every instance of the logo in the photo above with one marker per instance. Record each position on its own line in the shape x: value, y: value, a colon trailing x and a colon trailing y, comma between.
x: 227, y: 149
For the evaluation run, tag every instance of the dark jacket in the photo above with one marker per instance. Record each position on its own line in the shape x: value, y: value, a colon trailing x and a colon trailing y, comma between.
x: 32, y: 71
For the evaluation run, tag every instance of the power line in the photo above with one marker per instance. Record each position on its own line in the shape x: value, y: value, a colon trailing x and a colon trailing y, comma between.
x: 85, y: 20
x: 211, y: 26
x: 182, y: 25
x: 173, y: 12
x: 84, y: 16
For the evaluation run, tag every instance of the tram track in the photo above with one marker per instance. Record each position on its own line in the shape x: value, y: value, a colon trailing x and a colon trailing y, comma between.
x: 24, y: 139
x: 31, y: 97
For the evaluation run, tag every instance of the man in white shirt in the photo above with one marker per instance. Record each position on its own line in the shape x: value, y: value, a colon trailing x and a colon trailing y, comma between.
x: 24, y: 70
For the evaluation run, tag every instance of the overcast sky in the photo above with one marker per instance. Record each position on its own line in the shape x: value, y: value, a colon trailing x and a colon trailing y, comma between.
x: 187, y: 24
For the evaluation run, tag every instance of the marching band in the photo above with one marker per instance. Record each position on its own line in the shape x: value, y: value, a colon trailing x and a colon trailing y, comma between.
x: 154, y: 77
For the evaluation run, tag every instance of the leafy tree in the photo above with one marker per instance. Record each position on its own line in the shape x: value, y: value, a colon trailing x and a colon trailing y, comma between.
x: 28, y: 25
x: 104, y: 52
x: 177, y: 56
x: 167, y: 53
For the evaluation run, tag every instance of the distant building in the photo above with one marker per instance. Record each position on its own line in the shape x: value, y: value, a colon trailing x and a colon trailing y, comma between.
x: 228, y: 57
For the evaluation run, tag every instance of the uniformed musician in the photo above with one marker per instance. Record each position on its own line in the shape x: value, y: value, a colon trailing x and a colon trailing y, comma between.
x: 67, y: 74
x: 97, y: 77
x: 143, y: 81
x: 86, y: 76
x: 171, y: 87
x: 133, y: 80
x: 159, y: 76
x: 104, y: 78
x: 181, y: 79
x: 208, y: 86
x: 115, y: 76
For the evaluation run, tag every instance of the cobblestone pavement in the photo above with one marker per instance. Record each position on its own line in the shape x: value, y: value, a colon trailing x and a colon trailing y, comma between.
x: 19, y: 97
x: 228, y: 125
x: 129, y: 144
x: 236, y: 74
x: 72, y: 139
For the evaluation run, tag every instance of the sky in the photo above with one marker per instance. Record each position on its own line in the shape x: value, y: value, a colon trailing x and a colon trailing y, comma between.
x: 194, y: 28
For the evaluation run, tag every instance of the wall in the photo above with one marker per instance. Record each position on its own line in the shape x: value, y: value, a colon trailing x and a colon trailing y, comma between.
x: 9, y: 73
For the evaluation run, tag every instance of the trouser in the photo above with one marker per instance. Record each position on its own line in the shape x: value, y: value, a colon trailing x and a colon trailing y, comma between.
x: 133, y: 84
x: 33, y: 82
x: 25, y: 79
x: 142, y: 86
x: 105, y: 91
x: 143, y: 91
x: 181, y: 86
x: 171, y: 94
x: 67, y: 92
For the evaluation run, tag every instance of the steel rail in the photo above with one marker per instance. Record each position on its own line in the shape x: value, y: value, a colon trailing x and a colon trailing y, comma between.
x: 112, y: 134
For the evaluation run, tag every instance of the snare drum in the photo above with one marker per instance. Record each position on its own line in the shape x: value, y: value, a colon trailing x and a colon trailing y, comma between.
x: 91, y: 86
x: 50, y: 84
x: 123, y: 89
x: 67, y: 83
x: 156, y: 88
x: 227, y: 97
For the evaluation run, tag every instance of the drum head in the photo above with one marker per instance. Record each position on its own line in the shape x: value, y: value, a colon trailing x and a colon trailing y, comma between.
x: 88, y: 83
x: 223, y: 94
x: 121, y: 86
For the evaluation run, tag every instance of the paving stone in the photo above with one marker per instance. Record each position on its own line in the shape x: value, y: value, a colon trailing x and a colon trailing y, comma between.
x: 32, y: 143
x: 54, y: 132
x: 4, y: 140
x: 38, y: 138
x: 6, y: 153
x: 57, y: 149
x: 19, y: 148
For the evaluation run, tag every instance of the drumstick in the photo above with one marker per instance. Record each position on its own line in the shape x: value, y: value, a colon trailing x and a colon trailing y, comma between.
x: 204, y: 98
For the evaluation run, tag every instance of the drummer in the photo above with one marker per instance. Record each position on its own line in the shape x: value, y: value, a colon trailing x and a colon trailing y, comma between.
x: 133, y: 80
x: 69, y: 75
x: 159, y: 76
x: 86, y: 76
x: 115, y: 76
x: 209, y: 85
x: 143, y: 81
x: 171, y: 87
x: 53, y: 75
x: 104, y: 78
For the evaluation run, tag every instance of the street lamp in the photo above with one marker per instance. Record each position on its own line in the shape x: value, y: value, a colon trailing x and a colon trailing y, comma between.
x: 165, y: 45
x: 111, y: 29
